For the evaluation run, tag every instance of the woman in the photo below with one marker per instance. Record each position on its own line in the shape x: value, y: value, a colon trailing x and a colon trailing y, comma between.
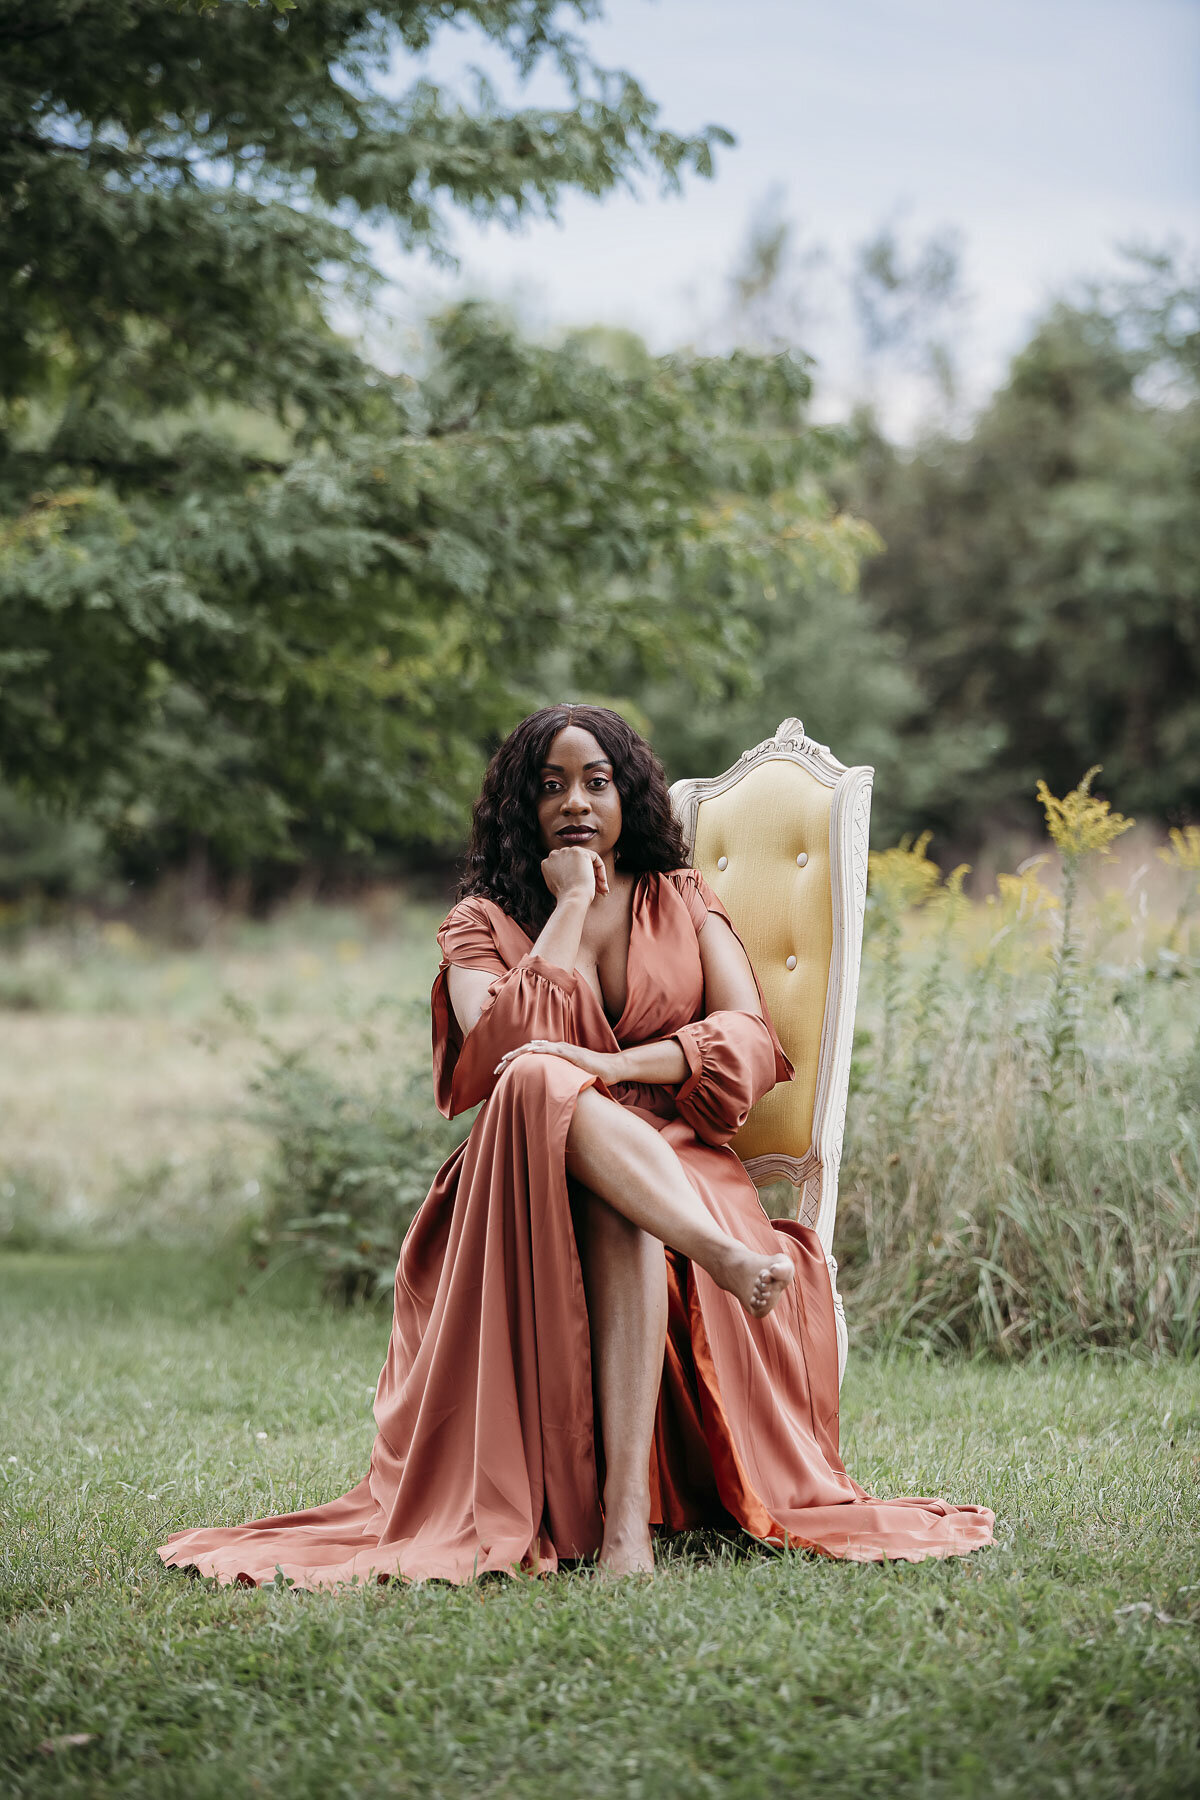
x: 596, y: 1328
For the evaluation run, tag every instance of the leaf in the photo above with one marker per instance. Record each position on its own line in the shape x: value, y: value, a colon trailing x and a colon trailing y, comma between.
x: 1144, y: 1609
x: 71, y: 1740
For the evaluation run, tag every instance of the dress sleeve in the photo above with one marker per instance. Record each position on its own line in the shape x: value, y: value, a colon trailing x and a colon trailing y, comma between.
x: 531, y: 998
x: 733, y: 1058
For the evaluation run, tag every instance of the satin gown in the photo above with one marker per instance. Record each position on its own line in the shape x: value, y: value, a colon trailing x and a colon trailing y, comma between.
x: 486, y: 1454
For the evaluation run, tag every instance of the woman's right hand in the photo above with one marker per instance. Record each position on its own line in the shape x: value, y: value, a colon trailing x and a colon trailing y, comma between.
x: 573, y: 873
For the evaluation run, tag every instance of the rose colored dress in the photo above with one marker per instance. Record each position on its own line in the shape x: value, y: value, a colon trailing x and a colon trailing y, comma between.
x: 486, y: 1454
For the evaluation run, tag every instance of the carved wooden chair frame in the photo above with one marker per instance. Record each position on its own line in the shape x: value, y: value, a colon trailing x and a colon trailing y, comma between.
x: 814, y: 1176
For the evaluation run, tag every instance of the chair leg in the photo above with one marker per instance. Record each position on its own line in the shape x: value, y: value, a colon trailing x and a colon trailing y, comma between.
x: 839, y: 1317
x: 839, y: 1312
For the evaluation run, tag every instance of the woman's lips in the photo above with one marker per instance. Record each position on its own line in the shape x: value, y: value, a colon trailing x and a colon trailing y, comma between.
x: 577, y: 831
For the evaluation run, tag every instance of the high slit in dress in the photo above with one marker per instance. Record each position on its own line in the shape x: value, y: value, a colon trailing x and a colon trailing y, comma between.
x: 486, y: 1452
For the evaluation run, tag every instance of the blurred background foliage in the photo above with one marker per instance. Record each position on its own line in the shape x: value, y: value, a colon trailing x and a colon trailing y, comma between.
x: 1021, y: 1171
x: 267, y: 604
x: 263, y: 601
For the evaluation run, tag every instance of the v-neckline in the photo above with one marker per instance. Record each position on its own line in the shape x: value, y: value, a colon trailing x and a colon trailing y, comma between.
x: 614, y: 1025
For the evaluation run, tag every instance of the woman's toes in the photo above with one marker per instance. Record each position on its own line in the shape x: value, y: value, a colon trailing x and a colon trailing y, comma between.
x: 757, y: 1284
x: 770, y: 1283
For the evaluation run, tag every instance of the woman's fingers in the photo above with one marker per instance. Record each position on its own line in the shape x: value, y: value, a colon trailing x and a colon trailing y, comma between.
x: 570, y: 869
x: 535, y: 1044
x: 599, y: 872
x: 594, y: 1062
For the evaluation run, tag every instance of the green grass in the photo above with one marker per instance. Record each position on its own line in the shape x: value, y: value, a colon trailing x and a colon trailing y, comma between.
x: 134, y: 1389
x: 127, y: 1063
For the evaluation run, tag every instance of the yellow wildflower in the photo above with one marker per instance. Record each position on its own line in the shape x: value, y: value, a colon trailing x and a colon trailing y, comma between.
x: 1183, y: 856
x: 1015, y: 916
x: 1022, y: 897
x: 1080, y: 824
x: 120, y: 937
x: 952, y: 888
x: 902, y: 876
x: 1184, y: 851
x: 947, y: 903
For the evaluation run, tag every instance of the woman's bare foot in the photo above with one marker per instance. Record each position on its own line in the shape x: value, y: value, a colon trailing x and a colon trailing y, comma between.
x: 756, y: 1280
x: 627, y: 1548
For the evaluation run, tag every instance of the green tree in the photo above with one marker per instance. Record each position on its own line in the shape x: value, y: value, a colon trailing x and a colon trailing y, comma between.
x: 811, y: 643
x: 253, y: 589
x: 1043, y: 571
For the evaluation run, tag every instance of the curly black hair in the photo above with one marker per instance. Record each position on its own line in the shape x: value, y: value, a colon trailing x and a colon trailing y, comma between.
x: 504, y: 857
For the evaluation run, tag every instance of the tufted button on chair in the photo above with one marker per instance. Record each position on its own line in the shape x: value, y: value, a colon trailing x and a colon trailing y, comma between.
x: 782, y: 838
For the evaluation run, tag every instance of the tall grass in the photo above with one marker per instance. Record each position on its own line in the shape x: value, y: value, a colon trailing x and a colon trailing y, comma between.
x: 1021, y: 1166
x: 128, y: 1059
x: 1022, y: 1159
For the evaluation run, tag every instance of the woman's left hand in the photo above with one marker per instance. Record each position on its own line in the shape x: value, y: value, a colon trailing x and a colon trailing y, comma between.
x: 595, y: 1062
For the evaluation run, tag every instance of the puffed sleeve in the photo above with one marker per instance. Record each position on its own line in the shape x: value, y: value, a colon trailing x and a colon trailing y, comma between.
x: 531, y: 998
x: 733, y: 1058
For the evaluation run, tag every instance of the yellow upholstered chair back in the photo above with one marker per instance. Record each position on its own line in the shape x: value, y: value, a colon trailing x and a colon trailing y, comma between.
x: 782, y: 838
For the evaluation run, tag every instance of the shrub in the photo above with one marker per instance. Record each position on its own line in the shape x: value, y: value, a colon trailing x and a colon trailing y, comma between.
x: 349, y: 1169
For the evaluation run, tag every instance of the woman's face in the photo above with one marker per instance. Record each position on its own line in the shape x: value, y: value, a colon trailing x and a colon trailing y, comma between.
x: 578, y: 802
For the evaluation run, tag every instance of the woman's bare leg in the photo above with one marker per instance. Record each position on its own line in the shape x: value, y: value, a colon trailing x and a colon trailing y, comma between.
x: 627, y: 1162
x: 625, y: 1274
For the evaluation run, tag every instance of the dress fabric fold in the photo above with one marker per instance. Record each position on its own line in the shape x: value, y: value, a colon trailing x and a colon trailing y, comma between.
x: 485, y: 1454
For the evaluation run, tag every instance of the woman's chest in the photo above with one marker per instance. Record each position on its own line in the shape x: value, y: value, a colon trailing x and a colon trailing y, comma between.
x: 603, y: 960
x: 644, y: 970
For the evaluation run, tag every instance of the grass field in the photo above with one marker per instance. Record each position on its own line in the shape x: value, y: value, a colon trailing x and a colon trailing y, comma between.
x: 144, y: 1391
x: 126, y: 1062
x: 156, y: 1378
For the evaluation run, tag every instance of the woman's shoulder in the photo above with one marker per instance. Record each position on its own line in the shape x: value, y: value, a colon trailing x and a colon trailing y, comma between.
x: 694, y: 891
x: 473, y: 907
x: 683, y: 880
x: 477, y: 930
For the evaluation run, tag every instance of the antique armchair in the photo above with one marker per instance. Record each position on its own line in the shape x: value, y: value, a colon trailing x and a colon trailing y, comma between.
x: 782, y: 838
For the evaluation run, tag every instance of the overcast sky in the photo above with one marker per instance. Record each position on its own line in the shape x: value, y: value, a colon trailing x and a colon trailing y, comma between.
x: 1045, y: 131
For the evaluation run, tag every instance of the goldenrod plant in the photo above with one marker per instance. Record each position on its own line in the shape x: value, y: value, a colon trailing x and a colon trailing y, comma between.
x: 1182, y: 853
x: 947, y: 907
x: 898, y: 881
x: 1082, y: 827
x: 982, y: 1208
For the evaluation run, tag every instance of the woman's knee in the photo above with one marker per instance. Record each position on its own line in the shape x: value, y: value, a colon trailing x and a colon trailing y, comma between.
x: 535, y: 1075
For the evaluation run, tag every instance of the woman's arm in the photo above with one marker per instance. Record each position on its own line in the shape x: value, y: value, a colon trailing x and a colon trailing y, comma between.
x: 728, y: 987
x: 733, y: 1055
x: 575, y: 876
x: 660, y: 1063
x: 729, y: 984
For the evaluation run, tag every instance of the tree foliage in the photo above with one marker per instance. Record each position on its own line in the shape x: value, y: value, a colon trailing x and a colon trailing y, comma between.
x: 260, y: 593
x: 1034, y: 605
x: 1042, y: 571
x: 255, y: 589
